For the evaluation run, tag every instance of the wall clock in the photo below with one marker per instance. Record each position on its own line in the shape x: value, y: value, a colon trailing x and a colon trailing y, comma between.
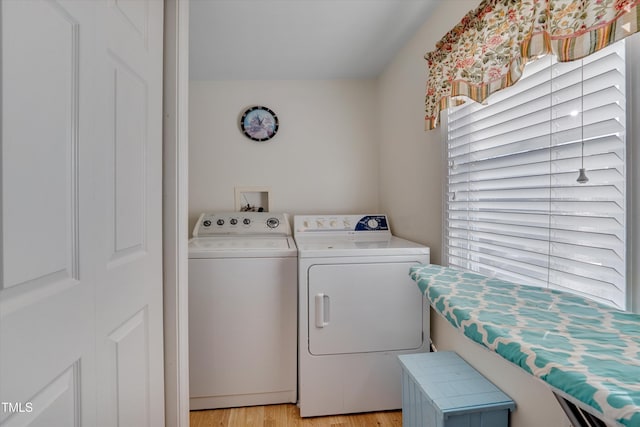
x: 259, y: 123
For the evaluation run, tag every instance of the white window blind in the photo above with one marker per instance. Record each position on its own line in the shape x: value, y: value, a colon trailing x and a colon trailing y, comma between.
x: 513, y: 207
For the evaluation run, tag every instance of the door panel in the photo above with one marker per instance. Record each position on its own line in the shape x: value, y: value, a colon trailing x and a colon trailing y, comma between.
x: 128, y: 174
x: 136, y: 13
x: 365, y: 307
x: 58, y: 403
x: 45, y: 226
x: 81, y: 289
x: 131, y: 352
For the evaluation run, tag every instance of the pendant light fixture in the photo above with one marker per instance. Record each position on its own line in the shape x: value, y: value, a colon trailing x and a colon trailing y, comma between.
x: 582, y: 177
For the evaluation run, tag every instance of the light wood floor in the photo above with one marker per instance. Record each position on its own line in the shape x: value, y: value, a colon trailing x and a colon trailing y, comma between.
x: 288, y: 415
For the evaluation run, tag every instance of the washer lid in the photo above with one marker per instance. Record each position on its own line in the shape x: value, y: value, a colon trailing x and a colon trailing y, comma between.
x: 242, y: 247
x: 319, y: 247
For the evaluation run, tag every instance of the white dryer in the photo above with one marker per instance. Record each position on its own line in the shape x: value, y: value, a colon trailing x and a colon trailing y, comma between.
x: 358, y: 309
x: 242, y: 310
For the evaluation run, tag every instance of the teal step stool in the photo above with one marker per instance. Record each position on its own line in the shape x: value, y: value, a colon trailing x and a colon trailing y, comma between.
x: 440, y: 389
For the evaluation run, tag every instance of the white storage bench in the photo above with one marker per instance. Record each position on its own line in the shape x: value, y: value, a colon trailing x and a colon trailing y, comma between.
x: 441, y: 390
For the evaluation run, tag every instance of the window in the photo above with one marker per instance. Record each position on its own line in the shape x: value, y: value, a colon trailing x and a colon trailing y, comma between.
x: 513, y: 207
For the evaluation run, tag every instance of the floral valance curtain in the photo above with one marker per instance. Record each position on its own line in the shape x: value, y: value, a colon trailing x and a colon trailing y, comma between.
x: 488, y: 49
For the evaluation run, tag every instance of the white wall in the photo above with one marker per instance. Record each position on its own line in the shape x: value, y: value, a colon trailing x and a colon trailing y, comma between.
x: 324, y: 158
x: 410, y: 158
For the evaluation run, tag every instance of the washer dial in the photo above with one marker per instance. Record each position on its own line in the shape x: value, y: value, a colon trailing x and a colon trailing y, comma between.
x: 273, y: 222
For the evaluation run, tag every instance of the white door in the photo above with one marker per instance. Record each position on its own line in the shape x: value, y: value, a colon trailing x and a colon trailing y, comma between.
x: 81, y: 291
x: 363, y: 307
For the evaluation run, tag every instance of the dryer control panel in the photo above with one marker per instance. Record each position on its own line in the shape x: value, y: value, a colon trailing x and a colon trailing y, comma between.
x: 347, y: 224
x: 225, y: 223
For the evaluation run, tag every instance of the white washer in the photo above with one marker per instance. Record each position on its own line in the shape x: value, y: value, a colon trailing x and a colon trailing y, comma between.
x: 358, y: 309
x: 242, y: 310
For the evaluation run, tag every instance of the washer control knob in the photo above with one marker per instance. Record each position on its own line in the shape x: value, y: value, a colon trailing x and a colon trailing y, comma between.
x: 246, y: 221
x: 372, y: 223
x: 220, y: 222
x: 206, y: 223
x: 233, y: 221
x: 273, y: 222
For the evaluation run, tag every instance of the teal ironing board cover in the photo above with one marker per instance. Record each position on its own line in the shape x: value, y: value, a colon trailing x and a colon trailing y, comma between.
x: 587, y: 351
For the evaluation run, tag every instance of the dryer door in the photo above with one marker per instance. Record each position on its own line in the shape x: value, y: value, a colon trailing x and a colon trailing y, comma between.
x: 365, y: 307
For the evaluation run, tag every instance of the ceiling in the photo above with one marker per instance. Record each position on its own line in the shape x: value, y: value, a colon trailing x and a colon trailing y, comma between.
x: 299, y: 39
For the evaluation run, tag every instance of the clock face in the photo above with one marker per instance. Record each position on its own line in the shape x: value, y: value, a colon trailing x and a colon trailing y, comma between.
x: 259, y: 123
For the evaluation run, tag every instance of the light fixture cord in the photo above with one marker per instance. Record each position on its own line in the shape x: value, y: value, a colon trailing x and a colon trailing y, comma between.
x: 582, y: 112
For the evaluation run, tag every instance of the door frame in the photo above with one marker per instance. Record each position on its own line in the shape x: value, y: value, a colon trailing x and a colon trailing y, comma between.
x: 175, y: 212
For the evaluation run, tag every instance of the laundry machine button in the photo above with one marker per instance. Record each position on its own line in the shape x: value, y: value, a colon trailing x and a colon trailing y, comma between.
x: 273, y: 222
